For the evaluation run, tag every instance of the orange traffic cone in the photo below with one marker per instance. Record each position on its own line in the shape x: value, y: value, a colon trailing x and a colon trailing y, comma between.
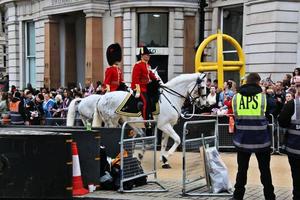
x: 231, y: 125
x: 78, y: 188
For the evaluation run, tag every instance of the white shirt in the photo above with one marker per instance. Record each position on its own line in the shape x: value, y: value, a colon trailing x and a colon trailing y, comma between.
x: 211, y: 99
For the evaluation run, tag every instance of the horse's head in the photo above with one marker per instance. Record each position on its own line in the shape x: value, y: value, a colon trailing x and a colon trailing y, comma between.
x: 155, y: 72
x: 197, y: 91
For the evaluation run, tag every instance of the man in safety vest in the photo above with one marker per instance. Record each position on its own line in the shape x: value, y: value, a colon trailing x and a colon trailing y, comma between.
x: 290, y: 118
x: 252, y: 136
x: 141, y: 77
x: 17, y: 111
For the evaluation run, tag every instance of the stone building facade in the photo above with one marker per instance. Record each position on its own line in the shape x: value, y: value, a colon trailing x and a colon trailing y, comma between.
x: 63, y: 42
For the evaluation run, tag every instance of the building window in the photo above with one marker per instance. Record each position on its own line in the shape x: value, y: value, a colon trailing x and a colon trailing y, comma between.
x: 232, y: 24
x: 153, y: 29
x: 30, y: 53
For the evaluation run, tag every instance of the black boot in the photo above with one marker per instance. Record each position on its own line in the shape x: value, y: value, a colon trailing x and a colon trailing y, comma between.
x: 149, y: 131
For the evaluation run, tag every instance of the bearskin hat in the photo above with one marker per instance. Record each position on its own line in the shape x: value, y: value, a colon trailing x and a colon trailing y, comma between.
x: 113, y: 53
x: 144, y: 50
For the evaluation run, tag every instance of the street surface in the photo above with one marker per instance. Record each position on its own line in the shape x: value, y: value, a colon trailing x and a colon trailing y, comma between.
x: 172, y: 180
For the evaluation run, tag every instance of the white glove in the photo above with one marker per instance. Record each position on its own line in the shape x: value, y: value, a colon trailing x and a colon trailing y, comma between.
x: 130, y: 90
x: 137, y: 95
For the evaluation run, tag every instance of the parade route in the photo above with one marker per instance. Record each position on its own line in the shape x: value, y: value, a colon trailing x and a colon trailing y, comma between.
x: 171, y: 179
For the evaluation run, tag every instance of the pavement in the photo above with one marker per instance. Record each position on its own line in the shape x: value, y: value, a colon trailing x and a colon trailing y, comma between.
x: 171, y: 179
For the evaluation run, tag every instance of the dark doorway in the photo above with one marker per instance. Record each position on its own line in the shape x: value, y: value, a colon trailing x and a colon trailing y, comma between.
x: 161, y: 62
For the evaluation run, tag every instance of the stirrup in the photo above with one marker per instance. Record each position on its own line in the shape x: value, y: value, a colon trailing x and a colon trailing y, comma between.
x: 148, y: 125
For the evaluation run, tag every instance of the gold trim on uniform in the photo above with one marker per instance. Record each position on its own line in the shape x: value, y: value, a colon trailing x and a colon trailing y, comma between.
x: 118, y: 110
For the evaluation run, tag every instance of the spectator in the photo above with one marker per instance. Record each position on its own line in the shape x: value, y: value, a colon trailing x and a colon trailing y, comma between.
x: 30, y: 88
x: 67, y: 100
x: 31, y: 112
x: 212, y: 98
x: 296, y: 75
x: 227, y: 89
x: 48, y: 105
x: 289, y: 96
x: 227, y: 102
x: 4, y: 103
x: 38, y: 102
x: 13, y: 89
x: 58, y: 107
x: 290, y: 118
x: 286, y: 81
x: 208, y: 85
x: 215, y: 83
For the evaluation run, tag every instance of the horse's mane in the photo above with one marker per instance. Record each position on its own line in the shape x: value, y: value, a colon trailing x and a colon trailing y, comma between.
x: 180, y: 78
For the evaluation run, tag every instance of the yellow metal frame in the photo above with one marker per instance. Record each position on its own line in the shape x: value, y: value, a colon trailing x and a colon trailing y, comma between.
x: 220, y: 66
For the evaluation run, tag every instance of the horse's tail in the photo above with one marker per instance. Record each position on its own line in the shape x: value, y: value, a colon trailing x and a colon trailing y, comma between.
x: 97, y: 119
x: 72, y: 112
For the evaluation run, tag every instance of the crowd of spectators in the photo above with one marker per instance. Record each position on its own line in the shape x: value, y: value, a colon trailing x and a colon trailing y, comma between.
x: 277, y: 93
x: 37, y: 105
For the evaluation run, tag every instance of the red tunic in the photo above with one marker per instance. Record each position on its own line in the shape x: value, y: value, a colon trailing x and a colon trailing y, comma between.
x: 142, y: 75
x: 113, y: 78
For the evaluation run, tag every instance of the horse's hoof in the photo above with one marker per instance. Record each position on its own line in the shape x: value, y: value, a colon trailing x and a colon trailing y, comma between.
x: 140, y: 156
x: 164, y: 159
x: 166, y: 166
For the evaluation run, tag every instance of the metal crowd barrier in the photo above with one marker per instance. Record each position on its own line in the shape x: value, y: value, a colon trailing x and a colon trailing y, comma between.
x: 272, y: 133
x: 130, y: 165
x: 280, y: 140
x: 195, y: 180
x: 225, y: 139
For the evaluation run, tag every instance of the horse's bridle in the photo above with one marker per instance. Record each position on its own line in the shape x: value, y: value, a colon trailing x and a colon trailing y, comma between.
x: 192, y: 100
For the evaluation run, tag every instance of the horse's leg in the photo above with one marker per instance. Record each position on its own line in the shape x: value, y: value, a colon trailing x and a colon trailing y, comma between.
x: 83, y: 119
x: 97, y: 120
x: 164, y: 143
x: 168, y: 129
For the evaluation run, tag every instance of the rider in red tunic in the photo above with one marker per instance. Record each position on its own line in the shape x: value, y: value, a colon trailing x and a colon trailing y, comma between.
x: 141, y: 76
x: 113, y: 74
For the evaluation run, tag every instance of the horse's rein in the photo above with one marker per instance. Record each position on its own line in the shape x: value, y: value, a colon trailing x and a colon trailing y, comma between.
x: 175, y: 93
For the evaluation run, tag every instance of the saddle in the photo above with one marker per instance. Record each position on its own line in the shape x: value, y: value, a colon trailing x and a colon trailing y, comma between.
x: 131, y: 107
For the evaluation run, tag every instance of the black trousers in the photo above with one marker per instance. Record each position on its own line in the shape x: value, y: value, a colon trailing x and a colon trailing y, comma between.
x: 295, y: 168
x: 263, y: 159
x: 147, y: 107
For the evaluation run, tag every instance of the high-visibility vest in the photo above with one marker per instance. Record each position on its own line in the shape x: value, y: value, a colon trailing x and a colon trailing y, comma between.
x: 15, y: 116
x: 251, y: 124
x: 293, y: 136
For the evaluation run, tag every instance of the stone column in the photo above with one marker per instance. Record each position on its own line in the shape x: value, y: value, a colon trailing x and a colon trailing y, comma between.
x: 52, y: 55
x: 119, y: 28
x: 94, y: 70
x: 128, y: 48
x: 70, y: 55
x: 119, y: 32
x: 189, y: 41
x: 40, y: 50
x: 178, y: 41
x: 13, y: 45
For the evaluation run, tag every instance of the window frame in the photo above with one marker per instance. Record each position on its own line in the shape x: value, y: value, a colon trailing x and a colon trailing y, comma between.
x: 28, y: 78
x: 222, y: 25
x: 153, y: 12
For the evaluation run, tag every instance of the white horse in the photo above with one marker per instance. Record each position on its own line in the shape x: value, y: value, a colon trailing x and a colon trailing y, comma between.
x: 85, y: 106
x: 175, y: 92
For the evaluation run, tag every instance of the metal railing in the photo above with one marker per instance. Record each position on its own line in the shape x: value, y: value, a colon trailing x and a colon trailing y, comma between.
x: 225, y: 139
x: 195, y: 180
x: 129, y: 166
